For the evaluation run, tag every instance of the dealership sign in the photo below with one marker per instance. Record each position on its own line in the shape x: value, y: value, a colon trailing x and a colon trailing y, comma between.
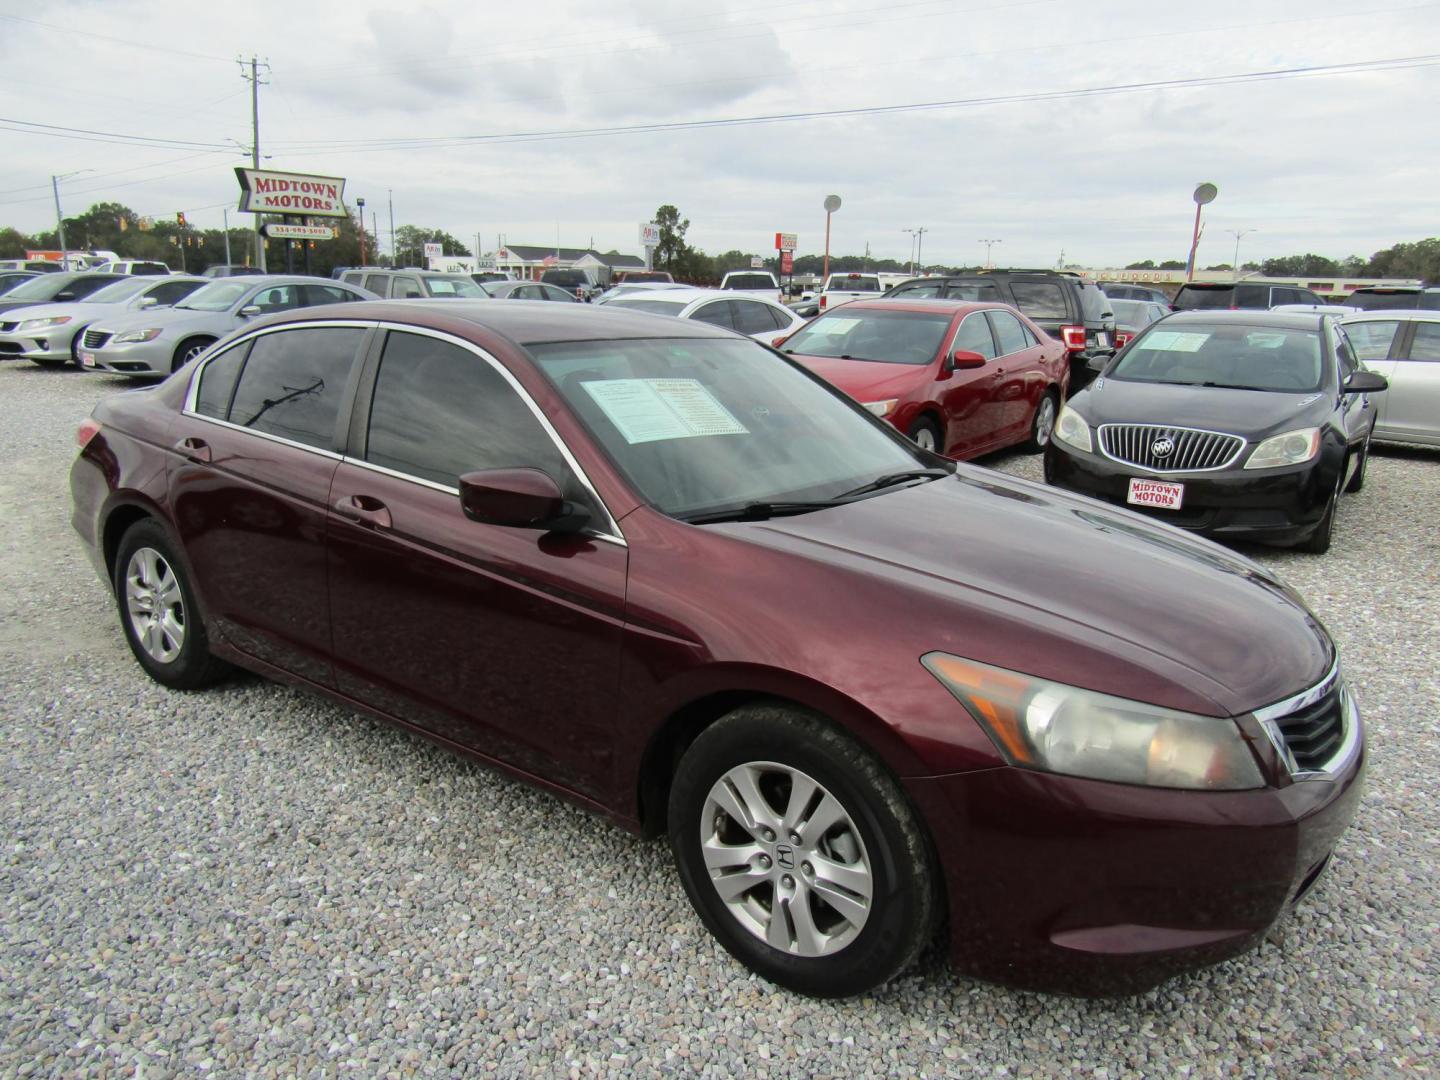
x: 263, y: 192
x: 649, y: 235
x: 785, y: 241
x: 299, y: 232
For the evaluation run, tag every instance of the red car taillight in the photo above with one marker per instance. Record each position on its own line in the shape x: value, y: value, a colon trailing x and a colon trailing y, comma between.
x: 1122, y: 337
x: 1073, y: 337
x: 86, y: 431
x: 822, y: 302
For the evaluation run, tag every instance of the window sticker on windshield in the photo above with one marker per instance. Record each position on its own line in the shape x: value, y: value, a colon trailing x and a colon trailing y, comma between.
x: 648, y: 410
x: 1261, y: 340
x: 833, y: 326
x: 1175, y: 341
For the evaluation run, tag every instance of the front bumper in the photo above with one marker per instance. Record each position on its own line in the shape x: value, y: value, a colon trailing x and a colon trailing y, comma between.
x: 1278, y: 506
x: 129, y: 358
x: 1098, y: 889
x: 52, y: 344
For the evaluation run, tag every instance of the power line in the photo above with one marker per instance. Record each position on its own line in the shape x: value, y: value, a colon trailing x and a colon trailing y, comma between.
x: 70, y: 30
x: 60, y: 131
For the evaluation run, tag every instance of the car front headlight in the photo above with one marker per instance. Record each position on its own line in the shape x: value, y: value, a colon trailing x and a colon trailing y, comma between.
x: 1291, y: 448
x: 1072, y: 430
x: 880, y: 408
x: 1037, y: 724
x: 130, y: 336
x: 42, y: 324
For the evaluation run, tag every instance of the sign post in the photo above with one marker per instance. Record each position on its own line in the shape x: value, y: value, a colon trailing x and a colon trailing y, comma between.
x: 832, y: 203
x: 785, y: 243
x: 649, y: 240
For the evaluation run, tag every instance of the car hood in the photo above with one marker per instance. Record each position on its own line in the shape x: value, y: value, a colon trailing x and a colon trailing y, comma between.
x: 172, y: 320
x: 1023, y: 576
x: 10, y: 305
x: 866, y: 380
x: 1251, y: 413
x: 78, y: 312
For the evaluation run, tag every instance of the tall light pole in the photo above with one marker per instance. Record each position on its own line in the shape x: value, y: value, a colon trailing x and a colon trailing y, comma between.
x: 832, y: 203
x: 1204, y: 193
x: 225, y: 217
x: 989, y: 264
x: 360, y: 204
x: 1235, y: 266
x: 917, y: 255
x: 60, y: 218
x: 393, y: 261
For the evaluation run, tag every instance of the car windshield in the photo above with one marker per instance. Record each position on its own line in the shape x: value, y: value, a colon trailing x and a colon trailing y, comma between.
x: 890, y: 337
x: 1385, y: 301
x: 120, y: 290
x: 852, y: 284
x: 700, y: 425
x: 655, y: 307
x: 41, y: 288
x: 454, y: 285
x: 1278, y: 359
x: 749, y: 281
x: 220, y: 296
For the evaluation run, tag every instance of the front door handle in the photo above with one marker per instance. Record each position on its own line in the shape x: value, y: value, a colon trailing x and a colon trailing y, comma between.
x: 195, y: 449
x: 365, y: 509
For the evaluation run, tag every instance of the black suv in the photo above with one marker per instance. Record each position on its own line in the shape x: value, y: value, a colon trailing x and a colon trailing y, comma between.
x: 1389, y: 297
x: 1075, y: 312
x: 1244, y: 295
x: 576, y: 282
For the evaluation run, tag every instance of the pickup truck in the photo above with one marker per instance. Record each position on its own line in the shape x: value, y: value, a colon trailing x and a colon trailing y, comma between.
x: 842, y: 288
x: 758, y: 282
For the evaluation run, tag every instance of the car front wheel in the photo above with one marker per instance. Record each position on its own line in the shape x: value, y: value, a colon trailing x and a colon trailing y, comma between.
x: 801, y: 853
x: 925, y: 434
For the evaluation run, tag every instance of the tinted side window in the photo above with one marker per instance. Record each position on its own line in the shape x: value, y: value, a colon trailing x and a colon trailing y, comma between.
x: 1372, y: 339
x: 1426, y: 344
x: 379, y: 284
x: 974, y: 335
x: 217, y: 382
x: 169, y: 293
x: 1009, y: 332
x: 275, y: 298
x: 326, y: 294
x: 406, y: 288
x: 984, y: 294
x: 716, y: 313
x: 1039, y: 300
x: 85, y: 286
x: 356, y: 279
x: 922, y: 289
x: 440, y: 411
x: 1250, y: 296
x: 294, y: 382
x: 752, y: 318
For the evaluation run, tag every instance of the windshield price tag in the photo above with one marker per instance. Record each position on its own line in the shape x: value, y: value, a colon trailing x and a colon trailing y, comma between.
x: 648, y: 410
x: 1175, y: 341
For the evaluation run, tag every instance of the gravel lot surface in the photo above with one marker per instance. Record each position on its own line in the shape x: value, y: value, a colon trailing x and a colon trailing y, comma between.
x: 252, y: 881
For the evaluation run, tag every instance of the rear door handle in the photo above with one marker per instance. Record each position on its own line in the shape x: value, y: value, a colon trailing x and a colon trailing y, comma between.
x: 194, y: 448
x: 365, y: 509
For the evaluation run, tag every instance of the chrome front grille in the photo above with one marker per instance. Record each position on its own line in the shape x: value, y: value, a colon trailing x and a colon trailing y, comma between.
x: 1317, y: 732
x: 95, y: 339
x: 1159, y: 448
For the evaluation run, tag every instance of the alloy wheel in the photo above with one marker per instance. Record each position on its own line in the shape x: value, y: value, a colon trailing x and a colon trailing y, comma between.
x: 155, y: 604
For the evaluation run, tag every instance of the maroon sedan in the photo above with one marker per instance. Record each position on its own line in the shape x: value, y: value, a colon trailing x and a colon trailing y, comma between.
x: 961, y: 379
x: 665, y: 573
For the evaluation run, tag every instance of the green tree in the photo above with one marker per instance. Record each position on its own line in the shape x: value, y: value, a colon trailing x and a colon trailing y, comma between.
x: 1147, y: 264
x: 670, y: 252
x: 13, y: 243
x: 1170, y: 264
x: 1300, y: 266
x: 1418, y: 260
x: 410, y: 241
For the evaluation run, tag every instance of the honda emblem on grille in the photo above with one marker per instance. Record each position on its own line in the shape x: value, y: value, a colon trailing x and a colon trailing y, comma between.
x: 1163, y: 447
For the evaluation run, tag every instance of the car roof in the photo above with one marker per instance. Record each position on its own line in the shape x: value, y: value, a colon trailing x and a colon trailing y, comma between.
x: 1279, y: 320
x: 1414, y: 314
x: 689, y: 294
x: 932, y: 305
x: 523, y: 322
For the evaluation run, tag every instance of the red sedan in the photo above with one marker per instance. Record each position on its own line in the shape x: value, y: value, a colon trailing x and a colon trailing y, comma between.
x: 959, y: 379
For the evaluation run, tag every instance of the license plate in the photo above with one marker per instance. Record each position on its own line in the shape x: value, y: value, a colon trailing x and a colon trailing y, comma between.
x: 1102, y: 339
x: 87, y: 359
x: 1155, y: 493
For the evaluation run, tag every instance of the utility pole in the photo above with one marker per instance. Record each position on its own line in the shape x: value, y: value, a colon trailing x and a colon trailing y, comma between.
x: 225, y: 216
x: 393, y: 261
x: 917, y: 253
x: 989, y: 264
x: 60, y: 224
x: 360, y: 213
x: 1235, y: 266
x: 255, y: 83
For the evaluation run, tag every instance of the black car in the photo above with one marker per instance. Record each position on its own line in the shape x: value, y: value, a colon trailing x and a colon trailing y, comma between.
x: 576, y: 282
x: 1072, y: 310
x: 1234, y: 424
x: 1396, y: 297
x: 56, y: 289
x: 1240, y: 296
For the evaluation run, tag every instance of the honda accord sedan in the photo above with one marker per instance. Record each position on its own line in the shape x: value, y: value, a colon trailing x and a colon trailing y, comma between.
x: 672, y: 576
x: 1240, y: 424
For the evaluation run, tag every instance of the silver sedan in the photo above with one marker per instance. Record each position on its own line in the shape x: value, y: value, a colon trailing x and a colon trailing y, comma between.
x: 50, y: 334
x: 755, y: 316
x: 159, y: 342
x: 1404, y: 346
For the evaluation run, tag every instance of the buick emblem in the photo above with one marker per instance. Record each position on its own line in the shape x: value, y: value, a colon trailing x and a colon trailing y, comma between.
x: 785, y: 856
x: 1163, y: 447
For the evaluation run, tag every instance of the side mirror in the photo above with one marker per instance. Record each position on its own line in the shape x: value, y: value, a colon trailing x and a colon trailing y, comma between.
x: 964, y: 358
x: 1365, y: 382
x: 519, y: 499
x: 148, y: 302
x: 249, y: 311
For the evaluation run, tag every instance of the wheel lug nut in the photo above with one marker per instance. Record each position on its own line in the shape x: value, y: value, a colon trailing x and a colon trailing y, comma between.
x: 794, y: 838
x: 765, y: 862
x: 788, y: 881
x: 807, y: 869
x: 769, y: 834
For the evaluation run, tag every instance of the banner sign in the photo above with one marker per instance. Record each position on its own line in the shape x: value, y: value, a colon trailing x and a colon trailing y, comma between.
x: 263, y: 192
x: 299, y: 232
x: 650, y: 235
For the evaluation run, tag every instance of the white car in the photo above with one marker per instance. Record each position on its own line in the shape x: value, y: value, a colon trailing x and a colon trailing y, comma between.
x: 1404, y: 346
x: 630, y: 288
x: 762, y: 319
x: 146, y: 267
x: 842, y: 288
x: 755, y: 282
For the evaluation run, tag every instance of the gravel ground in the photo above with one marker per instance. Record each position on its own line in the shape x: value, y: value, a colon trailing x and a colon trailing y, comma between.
x: 252, y: 881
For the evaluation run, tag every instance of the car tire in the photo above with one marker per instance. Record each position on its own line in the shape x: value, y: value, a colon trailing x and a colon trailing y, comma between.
x: 1318, y: 542
x: 925, y: 433
x: 187, y: 350
x: 1042, y: 424
x: 158, y: 611
x: 1358, y: 480
x: 821, y: 831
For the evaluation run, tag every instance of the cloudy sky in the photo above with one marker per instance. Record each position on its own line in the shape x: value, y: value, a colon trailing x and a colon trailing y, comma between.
x: 528, y: 119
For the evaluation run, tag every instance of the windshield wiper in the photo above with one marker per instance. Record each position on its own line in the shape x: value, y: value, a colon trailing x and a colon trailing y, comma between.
x: 759, y: 511
x: 1225, y: 386
x: 891, y: 479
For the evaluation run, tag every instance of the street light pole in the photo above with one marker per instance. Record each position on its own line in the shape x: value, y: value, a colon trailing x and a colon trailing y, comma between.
x: 60, y: 224
x: 225, y: 217
x: 912, y: 250
x: 989, y: 263
x: 360, y: 204
x: 1235, y: 266
x: 920, y: 247
x: 832, y: 203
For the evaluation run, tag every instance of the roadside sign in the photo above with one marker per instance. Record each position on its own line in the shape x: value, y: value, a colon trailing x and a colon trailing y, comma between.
x: 299, y: 232
x: 787, y: 262
x: 485, y: 262
x: 434, y: 251
x: 650, y: 235
x: 756, y: 263
x: 265, y: 192
x: 785, y: 241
